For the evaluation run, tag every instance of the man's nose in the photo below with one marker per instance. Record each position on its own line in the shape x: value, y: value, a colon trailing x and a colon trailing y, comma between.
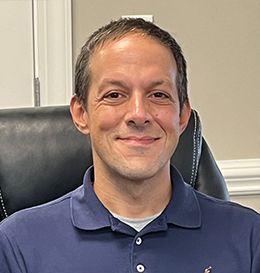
x: 138, y: 110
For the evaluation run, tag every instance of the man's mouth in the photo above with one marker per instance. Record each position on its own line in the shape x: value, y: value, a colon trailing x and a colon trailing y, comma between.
x: 138, y: 140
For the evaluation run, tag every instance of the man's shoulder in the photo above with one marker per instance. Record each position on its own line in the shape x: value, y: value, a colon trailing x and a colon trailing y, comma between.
x: 37, y: 216
x: 227, y: 210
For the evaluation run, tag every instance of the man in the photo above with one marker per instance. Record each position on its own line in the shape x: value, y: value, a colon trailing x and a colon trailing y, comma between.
x: 134, y: 213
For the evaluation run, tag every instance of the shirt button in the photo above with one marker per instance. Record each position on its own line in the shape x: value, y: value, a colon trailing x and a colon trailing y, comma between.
x: 140, y: 268
x: 138, y: 241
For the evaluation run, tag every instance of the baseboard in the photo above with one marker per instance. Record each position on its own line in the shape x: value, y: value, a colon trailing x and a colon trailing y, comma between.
x: 242, y: 176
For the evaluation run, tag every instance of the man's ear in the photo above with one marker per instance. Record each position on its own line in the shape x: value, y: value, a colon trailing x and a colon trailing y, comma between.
x: 79, y: 115
x: 185, y: 115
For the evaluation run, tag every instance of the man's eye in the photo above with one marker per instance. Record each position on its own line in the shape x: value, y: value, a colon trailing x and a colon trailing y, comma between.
x: 113, y: 95
x: 160, y: 95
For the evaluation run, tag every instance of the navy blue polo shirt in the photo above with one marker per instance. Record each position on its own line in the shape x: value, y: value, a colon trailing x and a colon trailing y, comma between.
x: 76, y: 233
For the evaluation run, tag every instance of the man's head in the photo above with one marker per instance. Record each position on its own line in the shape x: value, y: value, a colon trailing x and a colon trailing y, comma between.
x: 132, y: 111
x: 114, y: 31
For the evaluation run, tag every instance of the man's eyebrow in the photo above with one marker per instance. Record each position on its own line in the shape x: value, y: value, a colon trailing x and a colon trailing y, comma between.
x: 123, y: 85
x: 160, y: 82
x: 113, y: 82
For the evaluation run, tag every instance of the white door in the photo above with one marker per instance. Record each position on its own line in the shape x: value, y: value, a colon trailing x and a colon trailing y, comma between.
x: 35, y: 53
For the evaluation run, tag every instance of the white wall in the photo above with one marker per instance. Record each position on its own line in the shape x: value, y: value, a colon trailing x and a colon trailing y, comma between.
x: 16, y: 65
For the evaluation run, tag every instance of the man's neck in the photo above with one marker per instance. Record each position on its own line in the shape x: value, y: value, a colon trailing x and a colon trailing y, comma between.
x: 134, y: 199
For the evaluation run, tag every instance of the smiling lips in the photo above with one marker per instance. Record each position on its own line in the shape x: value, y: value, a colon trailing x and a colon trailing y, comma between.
x: 138, y: 141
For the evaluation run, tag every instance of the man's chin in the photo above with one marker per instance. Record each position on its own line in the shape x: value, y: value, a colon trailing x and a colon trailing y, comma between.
x: 137, y: 173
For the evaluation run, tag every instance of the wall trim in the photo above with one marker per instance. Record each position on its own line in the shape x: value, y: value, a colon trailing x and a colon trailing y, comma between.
x: 242, y: 176
x: 53, y: 50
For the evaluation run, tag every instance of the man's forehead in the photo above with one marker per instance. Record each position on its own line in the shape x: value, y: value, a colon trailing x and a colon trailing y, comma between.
x: 127, y: 38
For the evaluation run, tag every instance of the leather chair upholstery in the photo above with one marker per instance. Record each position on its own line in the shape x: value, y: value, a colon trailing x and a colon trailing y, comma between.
x: 43, y: 156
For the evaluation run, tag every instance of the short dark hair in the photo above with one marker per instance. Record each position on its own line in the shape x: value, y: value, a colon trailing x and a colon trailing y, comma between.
x: 115, y: 30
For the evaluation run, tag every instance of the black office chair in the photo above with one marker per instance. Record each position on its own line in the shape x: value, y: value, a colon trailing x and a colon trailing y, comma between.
x: 43, y: 156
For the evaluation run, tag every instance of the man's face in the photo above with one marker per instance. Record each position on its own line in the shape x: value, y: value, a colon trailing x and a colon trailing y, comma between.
x: 133, y: 112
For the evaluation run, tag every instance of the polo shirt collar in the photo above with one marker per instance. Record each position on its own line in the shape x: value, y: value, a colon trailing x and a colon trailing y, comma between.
x: 87, y: 212
x: 183, y: 209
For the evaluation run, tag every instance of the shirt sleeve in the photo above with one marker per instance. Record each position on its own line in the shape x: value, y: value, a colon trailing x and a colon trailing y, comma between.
x: 8, y: 256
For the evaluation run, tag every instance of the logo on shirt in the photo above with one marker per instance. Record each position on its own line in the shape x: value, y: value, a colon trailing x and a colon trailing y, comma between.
x: 208, y: 269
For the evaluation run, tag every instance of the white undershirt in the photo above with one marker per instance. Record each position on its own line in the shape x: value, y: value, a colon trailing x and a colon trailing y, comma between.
x: 136, y: 223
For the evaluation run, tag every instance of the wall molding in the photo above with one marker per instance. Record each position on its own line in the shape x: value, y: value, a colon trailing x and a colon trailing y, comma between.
x: 53, y: 50
x: 242, y: 176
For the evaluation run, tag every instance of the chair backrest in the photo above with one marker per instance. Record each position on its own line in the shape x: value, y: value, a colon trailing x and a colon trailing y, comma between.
x: 43, y: 156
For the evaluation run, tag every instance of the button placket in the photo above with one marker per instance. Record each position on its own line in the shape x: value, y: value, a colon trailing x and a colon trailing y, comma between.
x: 140, y: 268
